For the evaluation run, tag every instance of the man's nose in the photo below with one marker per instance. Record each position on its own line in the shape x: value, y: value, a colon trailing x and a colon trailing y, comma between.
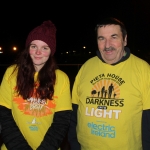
x: 107, y: 43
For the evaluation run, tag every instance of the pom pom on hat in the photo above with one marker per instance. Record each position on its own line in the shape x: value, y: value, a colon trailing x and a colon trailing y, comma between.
x: 45, y: 32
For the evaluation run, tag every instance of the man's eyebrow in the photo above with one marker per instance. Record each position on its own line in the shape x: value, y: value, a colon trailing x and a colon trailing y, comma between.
x: 114, y: 34
x: 100, y: 37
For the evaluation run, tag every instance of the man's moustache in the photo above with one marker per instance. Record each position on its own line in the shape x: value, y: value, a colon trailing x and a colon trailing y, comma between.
x: 108, y: 49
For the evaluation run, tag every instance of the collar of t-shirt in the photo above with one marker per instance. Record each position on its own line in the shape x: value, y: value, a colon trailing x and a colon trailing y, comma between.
x: 125, y: 57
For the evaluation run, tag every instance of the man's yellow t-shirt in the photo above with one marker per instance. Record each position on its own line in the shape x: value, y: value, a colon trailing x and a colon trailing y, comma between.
x: 110, y: 101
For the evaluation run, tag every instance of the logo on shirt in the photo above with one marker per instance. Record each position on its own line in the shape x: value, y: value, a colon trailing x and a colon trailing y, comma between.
x: 33, y: 125
x: 102, y: 129
x: 104, y: 102
x: 35, y: 106
x: 105, y: 95
x: 106, y: 91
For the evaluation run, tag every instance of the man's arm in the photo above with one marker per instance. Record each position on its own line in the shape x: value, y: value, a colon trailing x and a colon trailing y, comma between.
x: 72, y: 135
x: 57, y: 131
x: 10, y: 133
x: 146, y: 129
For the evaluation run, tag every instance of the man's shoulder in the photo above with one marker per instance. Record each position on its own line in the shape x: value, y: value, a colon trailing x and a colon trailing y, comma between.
x: 138, y: 59
x: 91, y: 60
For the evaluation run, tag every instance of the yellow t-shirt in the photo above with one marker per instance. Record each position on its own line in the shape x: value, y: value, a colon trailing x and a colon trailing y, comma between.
x: 110, y: 101
x: 32, y: 116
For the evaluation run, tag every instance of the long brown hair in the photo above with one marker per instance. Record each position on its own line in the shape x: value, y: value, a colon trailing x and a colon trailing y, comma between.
x: 25, y: 77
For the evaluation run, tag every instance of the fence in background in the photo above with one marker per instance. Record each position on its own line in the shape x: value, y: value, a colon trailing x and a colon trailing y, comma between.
x: 70, y: 69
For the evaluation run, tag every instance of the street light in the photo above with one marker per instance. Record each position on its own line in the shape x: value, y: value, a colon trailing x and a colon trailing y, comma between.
x: 1, y: 50
x: 14, y: 48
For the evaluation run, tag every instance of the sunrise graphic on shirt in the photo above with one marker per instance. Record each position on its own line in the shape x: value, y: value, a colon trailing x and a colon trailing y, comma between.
x: 35, y: 106
x: 106, y: 89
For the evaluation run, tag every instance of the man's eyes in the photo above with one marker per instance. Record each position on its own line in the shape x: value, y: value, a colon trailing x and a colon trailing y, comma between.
x: 100, y: 38
x: 114, y: 37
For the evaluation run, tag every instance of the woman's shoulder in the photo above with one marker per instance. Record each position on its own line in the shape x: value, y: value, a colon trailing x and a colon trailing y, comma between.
x: 60, y: 73
x: 10, y: 71
x: 10, y: 68
x: 61, y: 77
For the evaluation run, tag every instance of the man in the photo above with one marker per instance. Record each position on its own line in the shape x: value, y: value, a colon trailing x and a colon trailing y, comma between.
x: 112, y: 122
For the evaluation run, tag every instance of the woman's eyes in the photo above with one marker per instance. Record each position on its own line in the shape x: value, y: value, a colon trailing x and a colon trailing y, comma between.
x: 42, y: 48
x: 45, y: 48
x: 32, y: 46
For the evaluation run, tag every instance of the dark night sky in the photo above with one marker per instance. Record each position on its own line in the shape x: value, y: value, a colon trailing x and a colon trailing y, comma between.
x: 75, y: 22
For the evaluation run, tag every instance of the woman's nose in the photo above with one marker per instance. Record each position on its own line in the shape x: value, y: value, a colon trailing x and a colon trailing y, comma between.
x: 38, y: 51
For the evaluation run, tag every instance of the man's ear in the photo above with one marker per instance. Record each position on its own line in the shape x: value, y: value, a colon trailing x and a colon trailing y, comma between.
x: 125, y: 40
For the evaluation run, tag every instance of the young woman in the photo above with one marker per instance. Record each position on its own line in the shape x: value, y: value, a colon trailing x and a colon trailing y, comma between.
x: 35, y: 101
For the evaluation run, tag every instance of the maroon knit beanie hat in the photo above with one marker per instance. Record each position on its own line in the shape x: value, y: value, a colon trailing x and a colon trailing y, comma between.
x: 45, y: 32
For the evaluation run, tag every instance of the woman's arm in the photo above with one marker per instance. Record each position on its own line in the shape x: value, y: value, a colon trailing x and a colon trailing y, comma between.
x: 10, y: 133
x: 57, y: 131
